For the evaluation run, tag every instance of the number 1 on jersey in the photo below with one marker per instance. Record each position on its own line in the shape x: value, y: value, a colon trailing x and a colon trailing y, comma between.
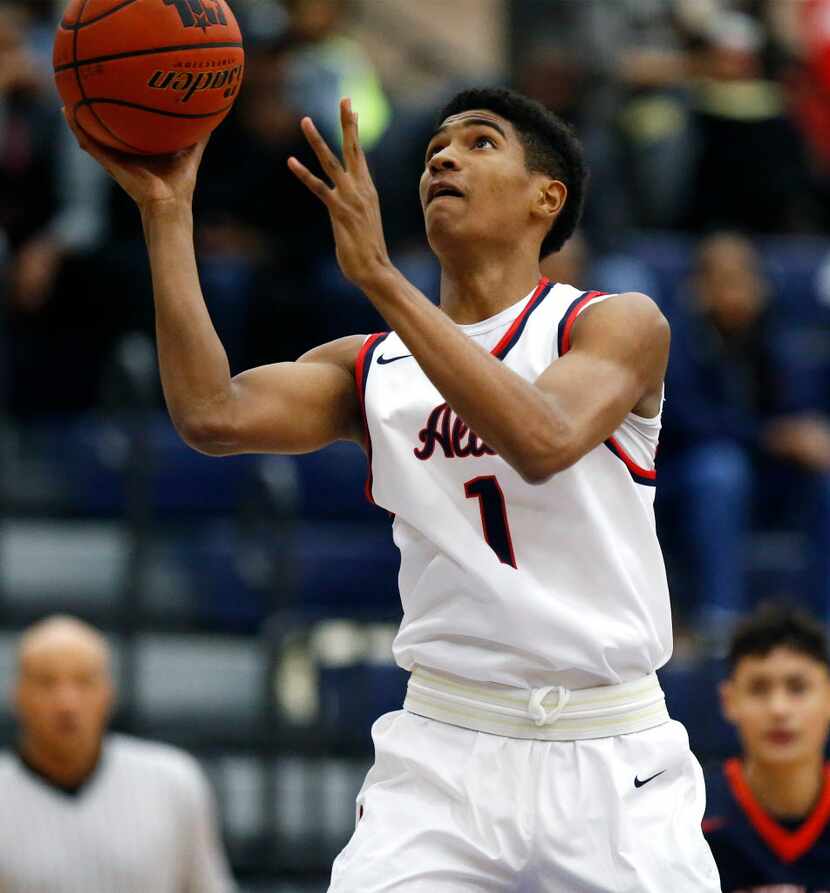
x: 493, y: 516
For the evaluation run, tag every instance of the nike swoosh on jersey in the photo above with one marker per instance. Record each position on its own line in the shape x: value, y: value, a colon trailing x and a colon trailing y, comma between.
x: 383, y: 361
x: 639, y: 784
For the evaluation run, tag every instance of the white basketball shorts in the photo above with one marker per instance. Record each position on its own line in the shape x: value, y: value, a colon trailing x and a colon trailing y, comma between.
x: 445, y: 808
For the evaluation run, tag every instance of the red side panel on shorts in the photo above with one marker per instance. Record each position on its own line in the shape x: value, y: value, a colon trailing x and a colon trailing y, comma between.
x: 361, y: 374
x: 787, y: 845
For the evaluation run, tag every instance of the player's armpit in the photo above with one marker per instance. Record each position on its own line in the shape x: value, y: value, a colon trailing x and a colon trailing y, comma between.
x: 615, y: 365
x: 288, y: 407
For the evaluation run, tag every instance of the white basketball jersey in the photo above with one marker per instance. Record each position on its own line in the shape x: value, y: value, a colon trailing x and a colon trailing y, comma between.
x: 560, y: 583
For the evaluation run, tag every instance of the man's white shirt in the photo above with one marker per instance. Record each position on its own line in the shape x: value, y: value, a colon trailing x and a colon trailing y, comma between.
x: 144, y: 822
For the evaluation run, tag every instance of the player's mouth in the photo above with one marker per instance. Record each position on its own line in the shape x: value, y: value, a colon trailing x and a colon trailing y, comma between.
x: 443, y: 189
x: 780, y: 737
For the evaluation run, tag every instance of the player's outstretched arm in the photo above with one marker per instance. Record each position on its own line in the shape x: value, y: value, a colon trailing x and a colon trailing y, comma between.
x: 286, y: 407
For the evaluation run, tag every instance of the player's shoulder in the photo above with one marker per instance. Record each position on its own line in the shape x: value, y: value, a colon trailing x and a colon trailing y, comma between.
x: 632, y: 316
x: 342, y: 352
x: 634, y: 307
x: 168, y: 763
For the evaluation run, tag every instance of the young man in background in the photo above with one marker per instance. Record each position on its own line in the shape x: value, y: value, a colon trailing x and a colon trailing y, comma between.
x: 768, y: 811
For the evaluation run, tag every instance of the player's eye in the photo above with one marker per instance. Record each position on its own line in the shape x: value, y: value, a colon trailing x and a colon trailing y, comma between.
x: 482, y: 141
x: 797, y: 686
x: 759, y: 687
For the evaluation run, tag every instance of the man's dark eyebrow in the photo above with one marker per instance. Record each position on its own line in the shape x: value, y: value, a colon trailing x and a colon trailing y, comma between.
x: 471, y: 122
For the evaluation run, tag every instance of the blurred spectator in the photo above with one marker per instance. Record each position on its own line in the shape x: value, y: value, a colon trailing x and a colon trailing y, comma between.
x: 767, y: 811
x: 731, y: 421
x: 813, y: 91
x: 575, y: 264
x: 326, y: 65
x: 27, y: 134
x: 751, y: 171
x: 618, y: 71
x: 52, y: 216
x: 83, y: 810
x: 261, y: 235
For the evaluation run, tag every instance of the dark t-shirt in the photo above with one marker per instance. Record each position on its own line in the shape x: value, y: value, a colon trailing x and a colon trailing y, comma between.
x: 756, y: 853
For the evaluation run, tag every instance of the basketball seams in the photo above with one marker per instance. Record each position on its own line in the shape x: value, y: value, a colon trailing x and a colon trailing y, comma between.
x: 83, y: 101
x: 76, y: 26
x: 88, y: 101
x: 77, y: 63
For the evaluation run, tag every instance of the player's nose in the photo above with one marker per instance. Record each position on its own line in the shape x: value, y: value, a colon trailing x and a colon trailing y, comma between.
x: 443, y: 160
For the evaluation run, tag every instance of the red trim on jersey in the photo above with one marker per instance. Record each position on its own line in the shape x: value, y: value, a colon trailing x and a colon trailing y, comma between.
x: 517, y: 322
x: 713, y: 824
x: 787, y: 845
x: 361, y: 372
x: 571, y: 318
x: 650, y: 474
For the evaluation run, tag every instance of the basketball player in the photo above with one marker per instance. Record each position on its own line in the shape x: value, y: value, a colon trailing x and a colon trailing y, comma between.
x: 768, y: 811
x: 84, y: 810
x: 512, y: 435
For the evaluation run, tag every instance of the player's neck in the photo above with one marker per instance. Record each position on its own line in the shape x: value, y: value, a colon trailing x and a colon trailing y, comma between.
x: 61, y: 770
x: 788, y: 791
x: 476, y: 289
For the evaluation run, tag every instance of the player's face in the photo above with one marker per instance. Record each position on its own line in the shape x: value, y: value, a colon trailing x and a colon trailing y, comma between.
x: 780, y: 704
x: 64, y: 696
x: 475, y: 184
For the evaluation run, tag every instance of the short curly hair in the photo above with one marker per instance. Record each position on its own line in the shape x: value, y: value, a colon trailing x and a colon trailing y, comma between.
x: 550, y: 144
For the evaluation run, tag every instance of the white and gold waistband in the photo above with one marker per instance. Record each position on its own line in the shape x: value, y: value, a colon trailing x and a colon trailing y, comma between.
x: 551, y: 713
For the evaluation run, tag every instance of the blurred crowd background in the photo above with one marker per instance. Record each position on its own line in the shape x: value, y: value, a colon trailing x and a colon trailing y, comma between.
x: 251, y: 602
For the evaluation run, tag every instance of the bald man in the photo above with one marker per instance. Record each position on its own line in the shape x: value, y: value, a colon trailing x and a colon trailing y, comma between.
x: 83, y: 811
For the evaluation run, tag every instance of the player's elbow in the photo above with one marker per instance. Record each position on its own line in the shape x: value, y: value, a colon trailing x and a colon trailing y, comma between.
x: 208, y: 434
x: 551, y: 451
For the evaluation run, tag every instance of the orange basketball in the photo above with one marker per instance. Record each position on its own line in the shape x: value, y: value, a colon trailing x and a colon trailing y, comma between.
x: 148, y: 76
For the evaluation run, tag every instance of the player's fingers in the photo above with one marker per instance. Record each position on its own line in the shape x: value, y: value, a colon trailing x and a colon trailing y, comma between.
x: 102, y: 155
x: 197, y: 150
x: 352, y: 150
x: 362, y: 164
x: 328, y: 160
x: 348, y: 125
x: 315, y: 184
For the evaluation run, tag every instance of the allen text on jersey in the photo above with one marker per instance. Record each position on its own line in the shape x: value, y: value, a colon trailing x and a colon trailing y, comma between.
x: 445, y: 429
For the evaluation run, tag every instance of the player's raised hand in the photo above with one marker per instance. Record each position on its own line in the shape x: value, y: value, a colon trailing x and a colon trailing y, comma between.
x: 148, y: 180
x: 351, y: 200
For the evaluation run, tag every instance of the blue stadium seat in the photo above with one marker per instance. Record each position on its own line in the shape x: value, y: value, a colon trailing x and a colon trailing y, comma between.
x: 331, y: 485
x: 184, y: 481
x: 346, y: 569
x: 334, y: 678
x: 214, y: 574
x: 63, y: 564
x: 200, y: 688
x: 87, y: 465
x: 692, y: 698
x: 794, y: 265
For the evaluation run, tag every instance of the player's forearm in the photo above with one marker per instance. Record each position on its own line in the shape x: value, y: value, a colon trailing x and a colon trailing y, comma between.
x: 195, y: 374
x: 509, y: 413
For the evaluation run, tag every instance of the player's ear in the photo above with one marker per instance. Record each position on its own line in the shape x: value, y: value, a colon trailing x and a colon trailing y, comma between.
x: 550, y: 197
x: 726, y: 692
